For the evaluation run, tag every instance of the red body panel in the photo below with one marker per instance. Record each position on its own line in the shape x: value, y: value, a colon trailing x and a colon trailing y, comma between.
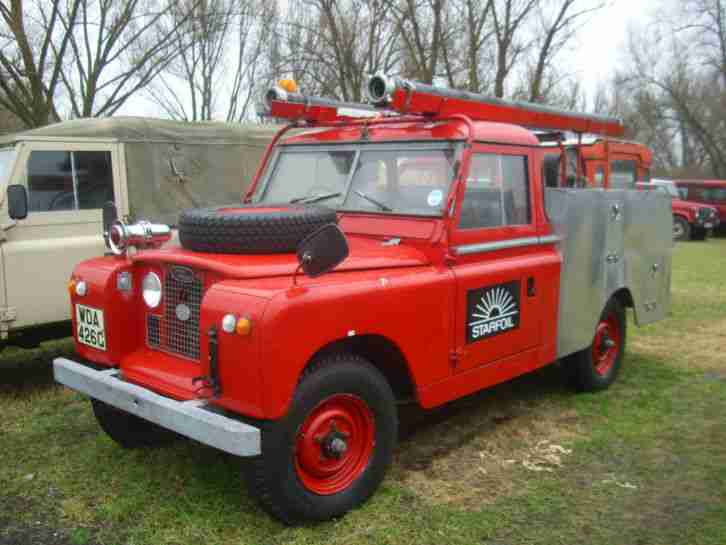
x: 412, y: 294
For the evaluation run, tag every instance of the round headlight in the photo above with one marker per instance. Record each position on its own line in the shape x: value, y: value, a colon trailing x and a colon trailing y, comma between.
x: 151, y: 290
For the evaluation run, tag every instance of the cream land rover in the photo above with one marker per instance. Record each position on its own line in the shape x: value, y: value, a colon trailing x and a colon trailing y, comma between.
x: 55, y: 181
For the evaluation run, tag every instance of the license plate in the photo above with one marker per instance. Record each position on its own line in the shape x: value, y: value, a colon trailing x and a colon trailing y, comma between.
x: 708, y: 225
x: 91, y: 330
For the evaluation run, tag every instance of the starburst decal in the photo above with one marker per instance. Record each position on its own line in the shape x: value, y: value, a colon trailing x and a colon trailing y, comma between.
x: 495, y: 304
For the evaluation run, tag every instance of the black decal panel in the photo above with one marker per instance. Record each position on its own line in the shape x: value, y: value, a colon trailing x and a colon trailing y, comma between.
x: 492, y: 310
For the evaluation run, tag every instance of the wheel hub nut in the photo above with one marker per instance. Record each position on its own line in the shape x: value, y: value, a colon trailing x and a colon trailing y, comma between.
x: 338, y: 447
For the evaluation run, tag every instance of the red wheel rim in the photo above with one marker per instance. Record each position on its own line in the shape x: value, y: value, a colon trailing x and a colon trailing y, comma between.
x: 334, y: 444
x: 606, y: 346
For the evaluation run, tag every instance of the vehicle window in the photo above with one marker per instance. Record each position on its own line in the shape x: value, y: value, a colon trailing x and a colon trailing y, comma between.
x: 715, y: 195
x: 599, y: 176
x: 7, y: 158
x: 497, y: 192
x: 403, y: 181
x: 623, y: 174
x: 310, y: 174
x: 69, y: 180
x: 683, y: 192
x: 551, y: 170
x: 94, y: 178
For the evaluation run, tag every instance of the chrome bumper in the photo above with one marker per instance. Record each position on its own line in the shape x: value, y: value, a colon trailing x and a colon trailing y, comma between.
x: 193, y: 418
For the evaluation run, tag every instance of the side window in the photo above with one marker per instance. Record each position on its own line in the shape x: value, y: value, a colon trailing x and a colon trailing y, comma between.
x: 497, y: 192
x: 69, y: 180
x: 714, y: 195
x: 683, y: 192
x: 599, y: 176
x: 623, y: 174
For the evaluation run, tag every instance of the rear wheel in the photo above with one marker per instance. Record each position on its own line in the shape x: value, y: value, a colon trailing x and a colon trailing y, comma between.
x: 331, y: 451
x: 129, y: 430
x: 698, y: 233
x: 597, y: 366
x: 681, y: 229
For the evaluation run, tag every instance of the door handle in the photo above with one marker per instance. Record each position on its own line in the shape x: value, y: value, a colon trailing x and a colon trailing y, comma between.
x: 531, y: 288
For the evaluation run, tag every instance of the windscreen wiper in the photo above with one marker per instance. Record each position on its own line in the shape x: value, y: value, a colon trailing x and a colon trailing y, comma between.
x: 315, y: 198
x: 379, y: 204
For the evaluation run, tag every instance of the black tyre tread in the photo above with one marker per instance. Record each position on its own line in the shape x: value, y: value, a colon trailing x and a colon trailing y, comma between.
x: 259, y: 480
x: 578, y: 367
x: 212, y: 231
x: 699, y: 233
x: 129, y: 430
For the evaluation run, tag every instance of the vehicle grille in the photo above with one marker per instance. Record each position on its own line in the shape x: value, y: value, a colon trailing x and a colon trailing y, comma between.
x: 705, y: 213
x: 177, y: 330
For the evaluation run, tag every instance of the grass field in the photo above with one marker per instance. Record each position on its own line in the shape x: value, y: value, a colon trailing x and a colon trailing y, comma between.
x: 527, y: 462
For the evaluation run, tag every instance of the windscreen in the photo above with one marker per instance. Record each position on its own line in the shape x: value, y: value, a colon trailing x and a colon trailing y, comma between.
x: 7, y: 158
x: 379, y: 179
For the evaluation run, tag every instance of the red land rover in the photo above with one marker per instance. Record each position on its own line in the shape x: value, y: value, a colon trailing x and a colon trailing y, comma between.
x: 410, y: 255
x: 710, y: 192
x: 691, y: 220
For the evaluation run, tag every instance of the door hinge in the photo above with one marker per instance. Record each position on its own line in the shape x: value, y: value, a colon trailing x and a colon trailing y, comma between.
x: 8, y: 314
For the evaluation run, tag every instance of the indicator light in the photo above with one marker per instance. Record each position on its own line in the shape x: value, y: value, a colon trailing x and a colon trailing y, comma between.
x: 123, y: 281
x: 244, y: 326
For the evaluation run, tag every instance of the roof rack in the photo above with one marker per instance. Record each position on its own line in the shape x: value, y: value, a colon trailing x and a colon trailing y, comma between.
x: 393, y: 97
x: 284, y: 104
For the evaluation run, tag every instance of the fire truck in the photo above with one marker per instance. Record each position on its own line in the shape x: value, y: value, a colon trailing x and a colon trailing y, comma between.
x: 400, y: 251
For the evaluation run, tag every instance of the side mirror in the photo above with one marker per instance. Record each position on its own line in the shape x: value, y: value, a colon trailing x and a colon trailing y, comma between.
x: 17, y: 202
x: 110, y: 215
x: 322, y: 250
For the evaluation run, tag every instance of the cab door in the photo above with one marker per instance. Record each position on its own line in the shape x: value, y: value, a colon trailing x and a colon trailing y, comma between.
x: 67, y: 186
x: 497, y: 261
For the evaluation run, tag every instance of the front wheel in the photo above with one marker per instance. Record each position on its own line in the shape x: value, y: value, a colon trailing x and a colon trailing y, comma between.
x: 331, y: 451
x: 597, y: 366
x: 681, y: 229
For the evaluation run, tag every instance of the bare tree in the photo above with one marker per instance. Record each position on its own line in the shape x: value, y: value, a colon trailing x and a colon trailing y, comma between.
x: 221, y: 53
x: 676, y: 90
x: 33, y: 42
x: 557, y: 21
x: 92, y: 55
x: 426, y: 28
x: 118, y: 48
x: 509, y: 17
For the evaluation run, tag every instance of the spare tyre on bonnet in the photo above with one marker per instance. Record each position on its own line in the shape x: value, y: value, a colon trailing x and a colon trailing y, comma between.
x: 250, y: 229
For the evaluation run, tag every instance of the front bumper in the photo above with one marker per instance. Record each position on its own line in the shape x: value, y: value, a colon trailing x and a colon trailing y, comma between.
x: 195, y: 419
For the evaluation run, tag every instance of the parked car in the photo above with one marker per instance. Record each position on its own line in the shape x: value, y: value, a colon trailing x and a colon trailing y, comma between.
x: 150, y: 168
x: 376, y: 261
x: 691, y: 220
x: 710, y: 192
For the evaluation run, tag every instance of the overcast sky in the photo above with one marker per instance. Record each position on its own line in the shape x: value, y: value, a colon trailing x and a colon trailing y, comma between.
x: 594, y: 58
x: 602, y: 39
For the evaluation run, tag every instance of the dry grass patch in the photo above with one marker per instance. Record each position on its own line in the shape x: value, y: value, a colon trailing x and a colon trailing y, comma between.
x: 489, y: 445
x: 700, y: 347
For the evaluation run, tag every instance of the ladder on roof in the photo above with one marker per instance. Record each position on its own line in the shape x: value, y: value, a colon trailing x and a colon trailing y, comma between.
x: 392, y: 95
